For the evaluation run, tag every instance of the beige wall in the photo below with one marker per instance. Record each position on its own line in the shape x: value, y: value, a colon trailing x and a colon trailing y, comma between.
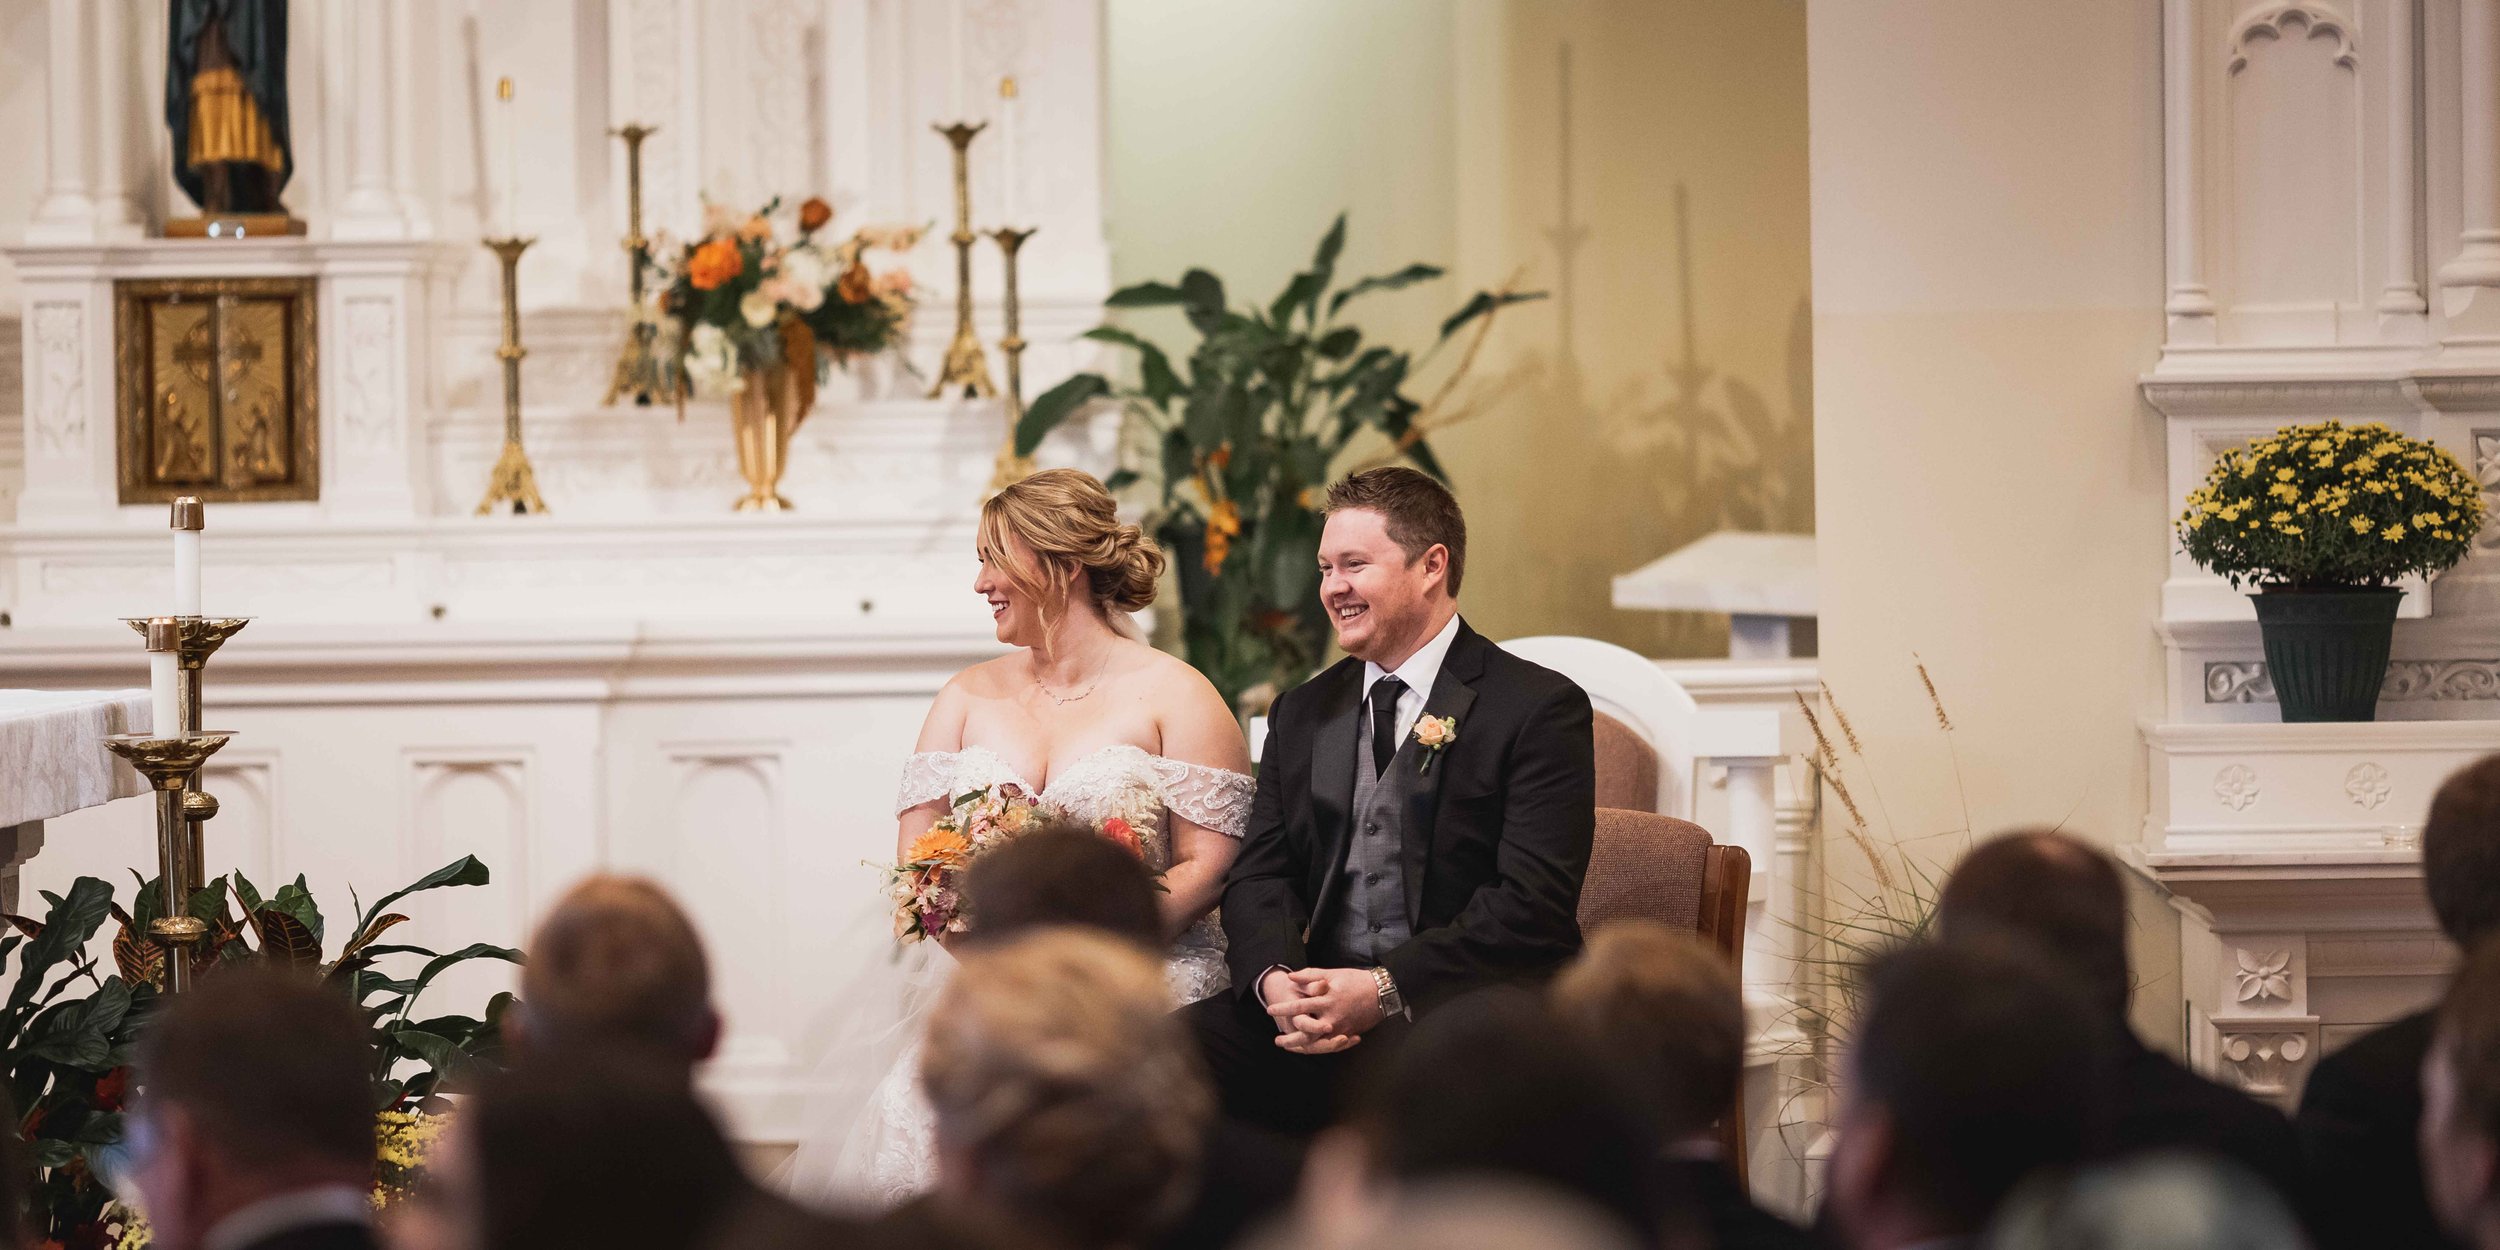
x: 1238, y: 131
x: 1987, y: 287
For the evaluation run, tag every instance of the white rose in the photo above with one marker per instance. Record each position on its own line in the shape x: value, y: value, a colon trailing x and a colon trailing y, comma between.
x: 806, y: 273
x: 759, y: 308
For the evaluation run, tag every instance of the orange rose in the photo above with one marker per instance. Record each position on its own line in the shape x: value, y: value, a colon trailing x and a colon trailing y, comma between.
x: 856, y: 286
x: 1124, y: 835
x: 814, y: 214
x: 714, y: 263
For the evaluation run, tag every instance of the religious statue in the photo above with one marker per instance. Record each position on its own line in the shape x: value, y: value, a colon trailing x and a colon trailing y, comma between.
x: 225, y: 102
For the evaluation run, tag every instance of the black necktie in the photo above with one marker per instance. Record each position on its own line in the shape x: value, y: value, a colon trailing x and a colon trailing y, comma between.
x: 1385, y: 721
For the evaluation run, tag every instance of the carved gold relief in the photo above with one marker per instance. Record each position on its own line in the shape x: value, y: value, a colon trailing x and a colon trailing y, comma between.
x: 217, y: 389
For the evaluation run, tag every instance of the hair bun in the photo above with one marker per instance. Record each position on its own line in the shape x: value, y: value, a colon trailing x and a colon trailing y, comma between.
x: 1127, y: 579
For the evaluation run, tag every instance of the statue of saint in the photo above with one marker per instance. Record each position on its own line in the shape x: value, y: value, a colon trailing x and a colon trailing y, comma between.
x: 225, y: 101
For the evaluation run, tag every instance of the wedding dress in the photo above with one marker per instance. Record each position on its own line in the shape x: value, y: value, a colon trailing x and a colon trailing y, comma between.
x: 873, y: 1146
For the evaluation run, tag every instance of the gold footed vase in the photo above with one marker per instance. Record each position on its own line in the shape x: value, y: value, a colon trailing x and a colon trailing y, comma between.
x: 763, y: 415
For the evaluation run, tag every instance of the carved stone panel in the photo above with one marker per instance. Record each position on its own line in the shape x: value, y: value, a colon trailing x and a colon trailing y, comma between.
x: 216, y: 389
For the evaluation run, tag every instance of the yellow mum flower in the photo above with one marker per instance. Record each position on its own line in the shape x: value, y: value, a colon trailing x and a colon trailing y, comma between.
x: 2283, y: 475
x: 2361, y: 525
x: 2393, y: 533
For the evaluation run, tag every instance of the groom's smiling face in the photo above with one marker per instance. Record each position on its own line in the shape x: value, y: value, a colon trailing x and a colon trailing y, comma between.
x: 1382, y: 602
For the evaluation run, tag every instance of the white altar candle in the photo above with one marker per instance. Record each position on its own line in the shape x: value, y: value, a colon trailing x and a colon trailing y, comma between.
x: 1009, y: 108
x: 510, y: 227
x: 187, y: 523
x: 955, y: 63
x: 167, y: 714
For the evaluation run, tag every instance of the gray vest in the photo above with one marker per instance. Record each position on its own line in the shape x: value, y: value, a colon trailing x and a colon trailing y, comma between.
x: 1373, y: 921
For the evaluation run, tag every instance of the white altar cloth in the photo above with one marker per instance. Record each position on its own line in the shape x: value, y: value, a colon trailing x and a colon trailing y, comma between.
x: 52, y: 756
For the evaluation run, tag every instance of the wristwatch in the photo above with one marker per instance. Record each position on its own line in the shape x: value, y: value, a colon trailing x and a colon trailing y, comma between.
x: 1392, y: 1003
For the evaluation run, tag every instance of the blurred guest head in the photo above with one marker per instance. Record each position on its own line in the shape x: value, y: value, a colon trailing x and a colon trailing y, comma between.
x: 1478, y: 1214
x: 2059, y: 892
x: 1972, y: 1066
x: 2460, y: 1131
x: 2149, y: 1202
x: 1063, y: 873
x: 618, y: 964
x: 2461, y: 852
x: 593, y: 1150
x: 1666, y: 1007
x: 1493, y: 1085
x: 1068, y: 1097
x: 255, y: 1117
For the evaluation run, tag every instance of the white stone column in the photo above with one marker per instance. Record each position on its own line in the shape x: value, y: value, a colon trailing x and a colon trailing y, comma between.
x: 371, y: 208
x: 2190, y: 305
x: 2402, y: 294
x: 66, y: 214
x: 2473, y: 276
x: 120, y: 96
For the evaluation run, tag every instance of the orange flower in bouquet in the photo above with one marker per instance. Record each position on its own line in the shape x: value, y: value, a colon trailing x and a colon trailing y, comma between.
x: 1122, y: 834
x: 714, y: 263
x: 814, y: 214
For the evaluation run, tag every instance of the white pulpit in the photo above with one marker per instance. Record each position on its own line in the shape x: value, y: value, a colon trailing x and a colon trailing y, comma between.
x: 1764, y: 582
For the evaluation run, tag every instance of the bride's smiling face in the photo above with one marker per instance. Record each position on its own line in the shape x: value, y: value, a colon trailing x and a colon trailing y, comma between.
x: 1007, y: 565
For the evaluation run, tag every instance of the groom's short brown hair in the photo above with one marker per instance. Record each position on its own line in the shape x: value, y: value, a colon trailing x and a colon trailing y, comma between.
x: 1419, y: 510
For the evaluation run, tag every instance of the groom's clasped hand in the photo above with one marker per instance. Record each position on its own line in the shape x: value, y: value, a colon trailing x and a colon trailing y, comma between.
x: 1320, y: 1011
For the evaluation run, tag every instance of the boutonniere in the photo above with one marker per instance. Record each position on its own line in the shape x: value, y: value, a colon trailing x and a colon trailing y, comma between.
x: 1434, y: 734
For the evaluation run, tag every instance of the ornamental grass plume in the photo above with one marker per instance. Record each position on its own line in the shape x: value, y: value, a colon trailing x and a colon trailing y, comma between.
x: 2330, y: 505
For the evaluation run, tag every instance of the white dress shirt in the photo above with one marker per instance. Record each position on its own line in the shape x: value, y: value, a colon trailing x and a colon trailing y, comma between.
x: 1418, y: 673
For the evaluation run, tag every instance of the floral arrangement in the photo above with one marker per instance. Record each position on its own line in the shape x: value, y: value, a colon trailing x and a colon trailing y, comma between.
x: 2327, y: 504
x: 742, y: 298
x: 68, y: 1023
x: 927, y: 885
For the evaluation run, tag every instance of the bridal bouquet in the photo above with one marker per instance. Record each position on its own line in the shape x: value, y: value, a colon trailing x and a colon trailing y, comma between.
x: 927, y: 885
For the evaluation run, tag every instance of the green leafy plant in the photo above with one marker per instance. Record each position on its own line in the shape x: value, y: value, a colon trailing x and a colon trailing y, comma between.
x: 1247, y: 429
x: 2330, y: 505
x: 68, y: 1026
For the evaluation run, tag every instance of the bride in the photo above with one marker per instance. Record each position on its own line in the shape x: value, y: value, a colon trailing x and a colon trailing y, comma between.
x: 1090, y: 721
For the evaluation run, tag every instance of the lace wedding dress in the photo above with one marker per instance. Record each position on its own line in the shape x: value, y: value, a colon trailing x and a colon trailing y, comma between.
x: 873, y: 1147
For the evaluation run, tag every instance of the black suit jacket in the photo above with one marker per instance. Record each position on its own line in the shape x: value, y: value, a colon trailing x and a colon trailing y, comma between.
x: 328, y: 1236
x: 2163, y: 1105
x: 1732, y: 1220
x: 1496, y: 840
x: 2357, y: 1120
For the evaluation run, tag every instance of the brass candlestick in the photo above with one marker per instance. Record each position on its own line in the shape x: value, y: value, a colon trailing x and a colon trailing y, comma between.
x: 195, y: 639
x: 1012, y: 468
x: 512, y: 481
x: 172, y: 766
x: 639, y: 372
x: 965, y: 365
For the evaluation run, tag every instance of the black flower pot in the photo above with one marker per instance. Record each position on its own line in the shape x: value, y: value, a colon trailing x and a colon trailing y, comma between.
x: 2326, y: 649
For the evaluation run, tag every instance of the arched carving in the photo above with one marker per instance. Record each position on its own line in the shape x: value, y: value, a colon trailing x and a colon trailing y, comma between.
x: 2320, y: 21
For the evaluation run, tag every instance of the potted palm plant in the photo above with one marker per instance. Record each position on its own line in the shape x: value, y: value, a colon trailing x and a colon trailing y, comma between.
x: 1248, y: 427
x: 2323, y: 520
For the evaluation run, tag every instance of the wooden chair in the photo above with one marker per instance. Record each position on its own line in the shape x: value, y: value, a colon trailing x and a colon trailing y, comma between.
x: 1644, y: 866
x: 1644, y: 722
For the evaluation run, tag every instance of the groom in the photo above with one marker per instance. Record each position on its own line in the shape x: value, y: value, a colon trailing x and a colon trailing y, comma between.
x: 1421, y: 825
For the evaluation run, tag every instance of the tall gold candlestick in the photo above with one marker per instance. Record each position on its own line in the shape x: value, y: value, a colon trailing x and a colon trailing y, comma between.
x: 965, y: 366
x: 171, y: 763
x: 512, y: 481
x: 639, y: 372
x: 1012, y: 468
x: 195, y: 638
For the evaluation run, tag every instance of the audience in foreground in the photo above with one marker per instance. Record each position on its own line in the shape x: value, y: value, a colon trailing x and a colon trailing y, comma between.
x: 1479, y: 1213
x: 1665, y: 1008
x: 1069, y: 1099
x: 2460, y: 1133
x: 2363, y: 1103
x: 254, y: 1127
x: 2066, y: 898
x: 1972, y: 1067
x: 617, y: 966
x: 1493, y: 1085
x: 2151, y: 1201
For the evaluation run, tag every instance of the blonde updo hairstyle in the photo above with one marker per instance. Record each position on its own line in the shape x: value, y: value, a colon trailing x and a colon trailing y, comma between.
x: 1072, y: 528
x: 1059, y: 1073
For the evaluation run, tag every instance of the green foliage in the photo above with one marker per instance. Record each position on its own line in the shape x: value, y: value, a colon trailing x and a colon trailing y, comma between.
x: 68, y: 1028
x: 1245, y: 431
x: 2329, y: 505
